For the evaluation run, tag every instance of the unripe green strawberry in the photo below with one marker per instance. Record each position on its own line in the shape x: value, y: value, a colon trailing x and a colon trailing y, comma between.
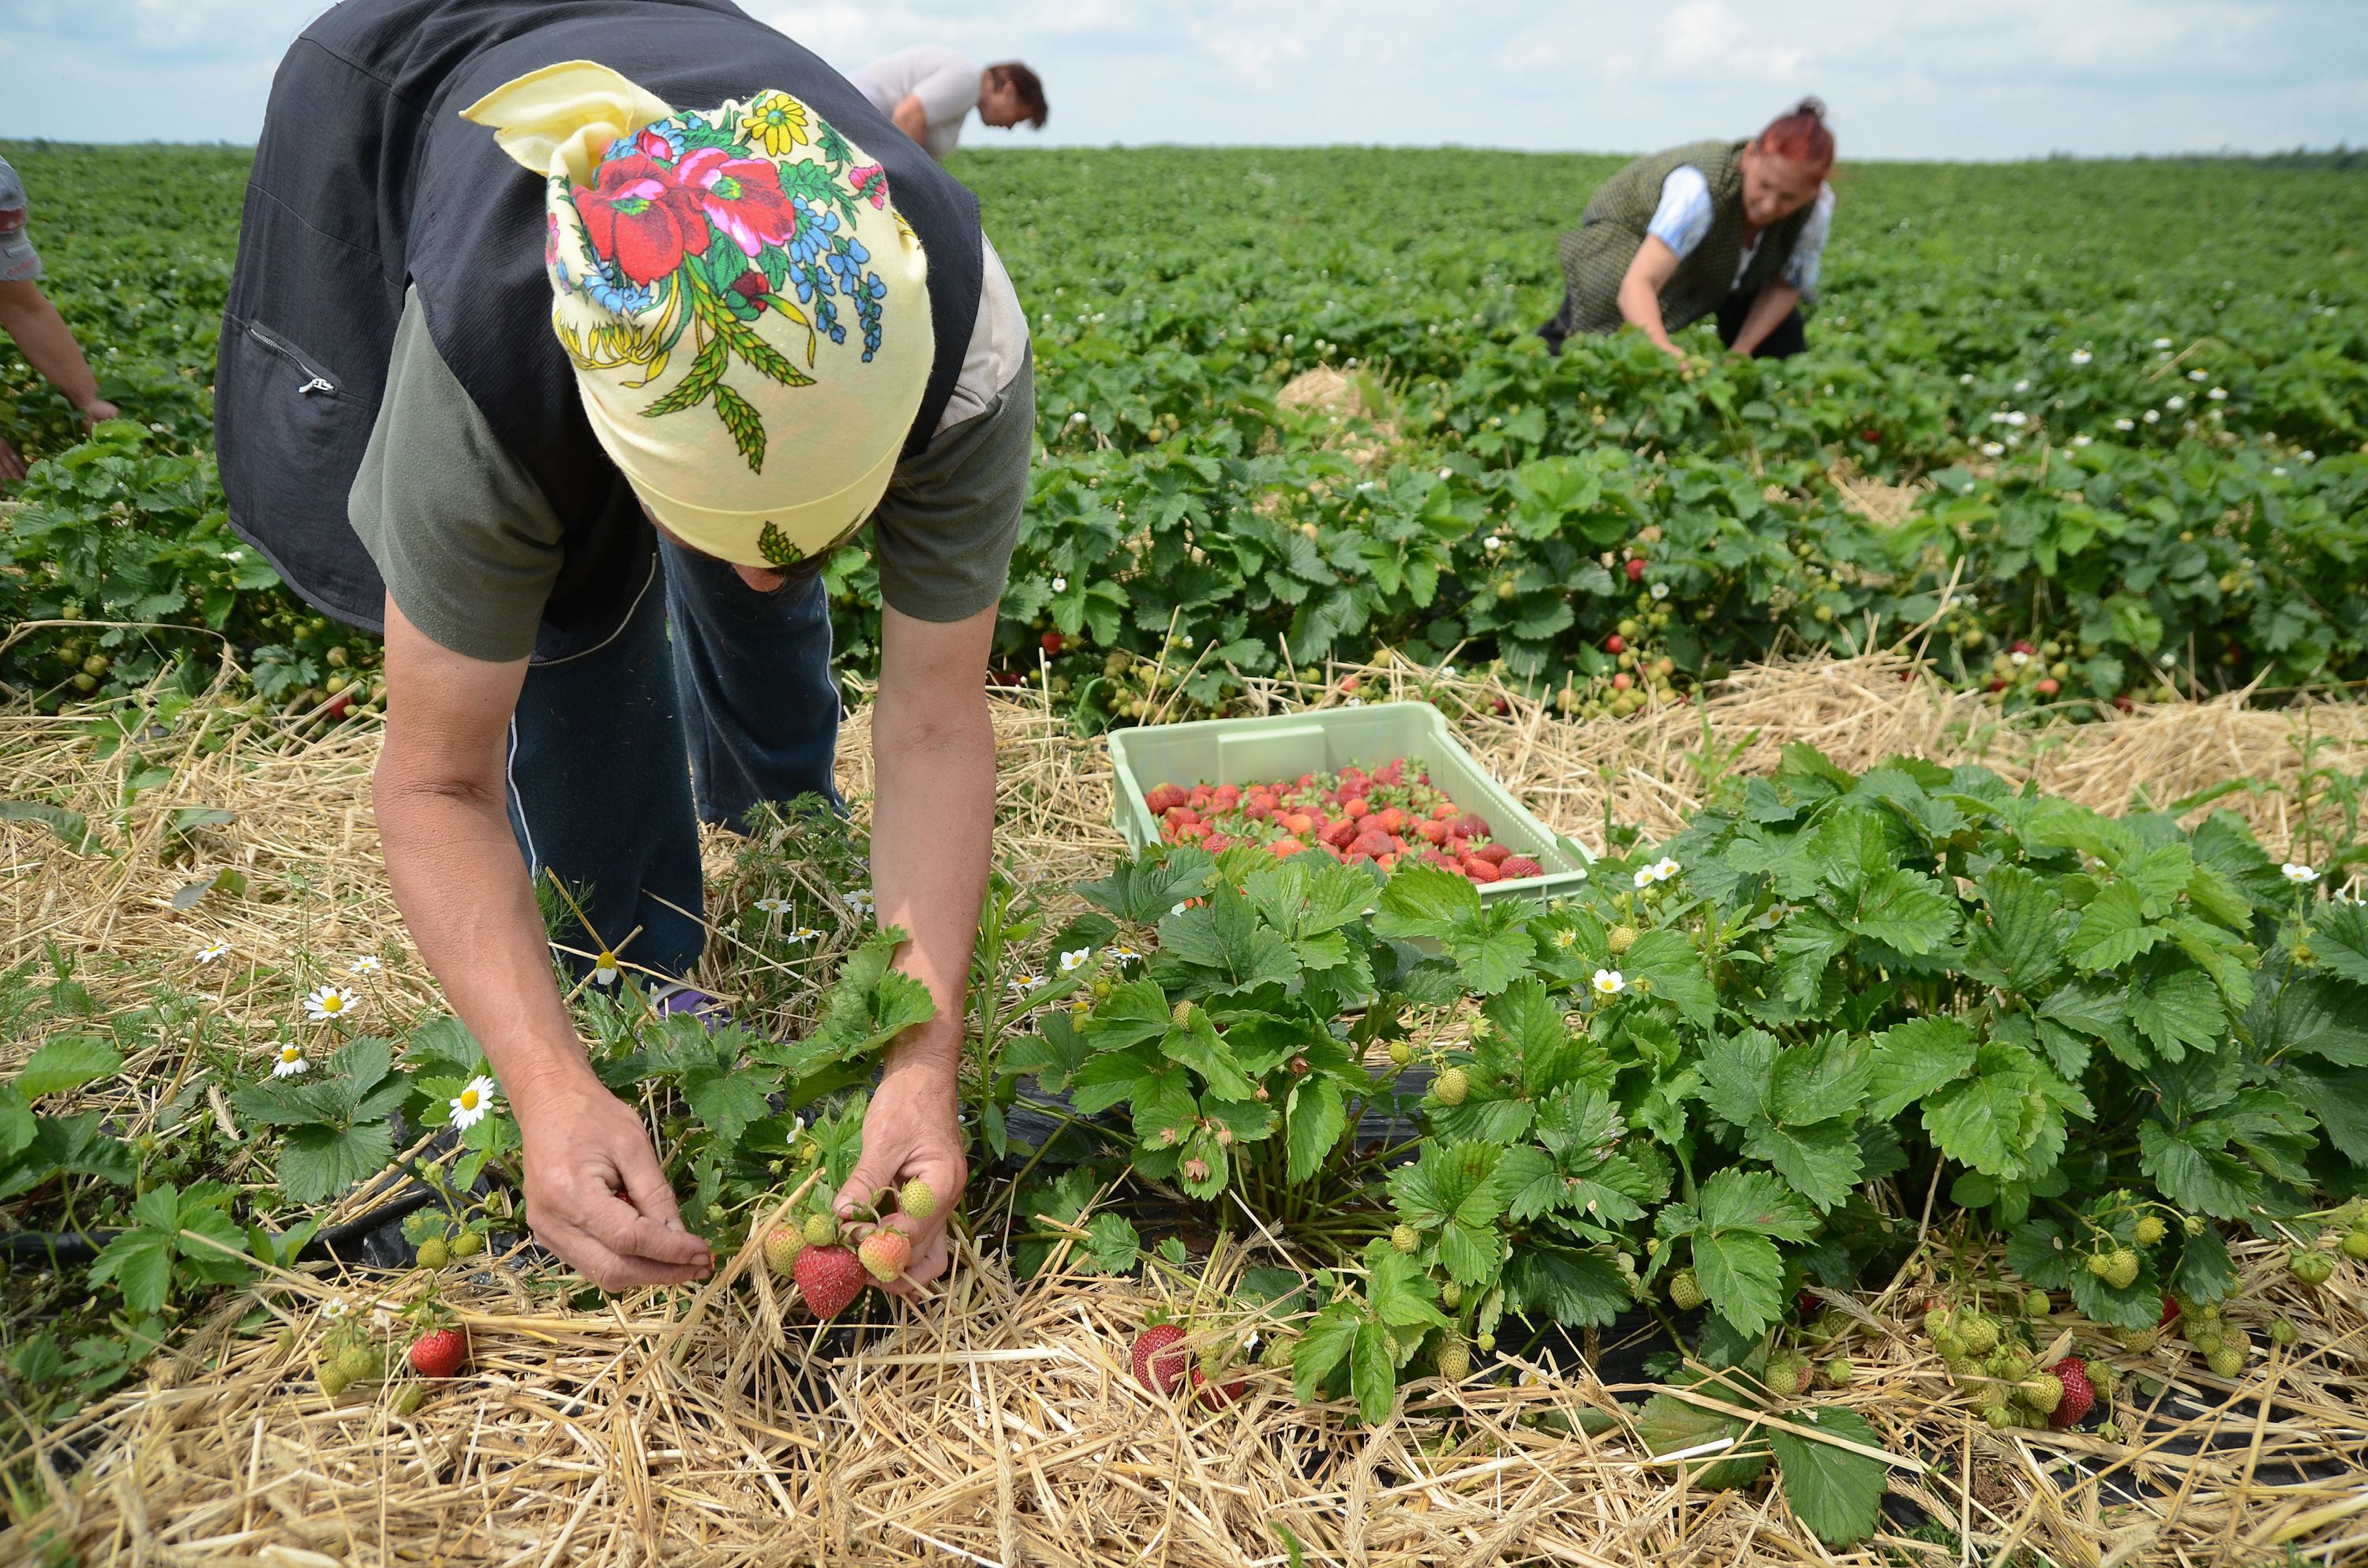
x: 781, y: 1244
x: 1830, y: 1325
x: 2311, y: 1267
x: 434, y: 1253
x: 2014, y: 1363
x: 413, y: 1396
x: 2124, y: 1272
x: 2000, y: 1415
x: 2150, y: 1229
x: 468, y: 1244
x: 2283, y: 1332
x: 2110, y: 1431
x: 1619, y: 939
x: 1980, y: 1333
x: 1485, y: 1341
x: 2355, y: 1245
x: 1840, y: 1373
x: 1788, y: 1373
x: 2036, y: 1304
x: 333, y: 1381
x: 918, y: 1198
x: 822, y: 1230
x: 1405, y: 1237
x: 1450, y: 1087
x: 1401, y: 1052
x: 1276, y: 1351
x: 1951, y: 1345
x: 1937, y: 1321
x: 2227, y: 1360
x: 2043, y: 1394
x: 1454, y: 1360
x: 2101, y: 1264
x: 361, y: 1364
x: 1685, y: 1290
x: 1450, y: 1295
x: 2206, y: 1339
x: 2138, y: 1341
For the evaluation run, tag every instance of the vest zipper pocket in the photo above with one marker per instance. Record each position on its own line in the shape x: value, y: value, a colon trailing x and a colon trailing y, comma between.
x: 314, y: 382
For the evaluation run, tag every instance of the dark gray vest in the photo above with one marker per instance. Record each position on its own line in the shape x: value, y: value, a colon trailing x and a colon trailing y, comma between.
x: 367, y: 179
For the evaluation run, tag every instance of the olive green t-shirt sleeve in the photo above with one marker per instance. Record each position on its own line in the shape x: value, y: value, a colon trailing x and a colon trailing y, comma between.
x: 944, y: 532
x: 461, y: 532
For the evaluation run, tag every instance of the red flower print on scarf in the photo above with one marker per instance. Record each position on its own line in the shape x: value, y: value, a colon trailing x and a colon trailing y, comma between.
x: 742, y: 196
x: 641, y: 217
x: 869, y: 182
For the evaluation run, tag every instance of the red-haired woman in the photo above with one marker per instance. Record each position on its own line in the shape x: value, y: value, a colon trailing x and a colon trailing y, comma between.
x: 1733, y: 229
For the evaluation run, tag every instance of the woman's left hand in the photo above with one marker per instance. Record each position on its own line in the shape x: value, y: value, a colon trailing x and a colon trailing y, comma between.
x: 912, y: 1131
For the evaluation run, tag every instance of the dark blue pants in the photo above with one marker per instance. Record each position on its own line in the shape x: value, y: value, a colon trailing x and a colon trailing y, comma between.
x: 710, y: 698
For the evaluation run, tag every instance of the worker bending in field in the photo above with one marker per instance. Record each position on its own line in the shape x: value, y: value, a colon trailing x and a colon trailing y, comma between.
x: 570, y: 381
x: 1730, y: 229
x: 33, y: 324
x: 928, y: 92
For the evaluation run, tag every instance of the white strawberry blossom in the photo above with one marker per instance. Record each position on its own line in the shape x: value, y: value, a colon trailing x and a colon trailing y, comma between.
x: 2299, y: 874
x: 1073, y: 961
x: 1664, y: 868
x: 1608, y: 982
x: 1660, y: 590
x: 1060, y: 584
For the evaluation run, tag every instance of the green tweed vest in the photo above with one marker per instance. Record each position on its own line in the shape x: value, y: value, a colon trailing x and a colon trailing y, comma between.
x: 1595, y: 256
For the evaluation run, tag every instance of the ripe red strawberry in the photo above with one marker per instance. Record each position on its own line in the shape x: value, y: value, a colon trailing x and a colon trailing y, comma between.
x: 1636, y: 570
x: 1211, y: 1395
x: 439, y: 1352
x: 1164, y: 797
x: 1052, y: 643
x: 1615, y: 643
x: 885, y: 1252
x: 1472, y: 826
x: 1519, y: 866
x: 1374, y: 844
x: 2080, y: 1396
x: 1479, y: 870
x: 1161, y: 1358
x: 829, y: 1278
x: 1495, y: 854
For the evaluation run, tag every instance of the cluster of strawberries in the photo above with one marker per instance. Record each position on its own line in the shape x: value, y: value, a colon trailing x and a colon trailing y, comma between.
x: 1383, y: 817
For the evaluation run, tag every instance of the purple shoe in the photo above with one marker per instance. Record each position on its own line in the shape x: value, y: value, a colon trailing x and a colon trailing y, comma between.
x: 676, y: 997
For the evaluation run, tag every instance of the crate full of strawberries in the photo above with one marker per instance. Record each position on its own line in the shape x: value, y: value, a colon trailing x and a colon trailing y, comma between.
x: 1385, y: 785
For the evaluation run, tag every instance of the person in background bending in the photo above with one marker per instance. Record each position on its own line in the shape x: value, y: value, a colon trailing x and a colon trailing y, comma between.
x: 928, y: 92
x: 1733, y: 229
x: 39, y: 332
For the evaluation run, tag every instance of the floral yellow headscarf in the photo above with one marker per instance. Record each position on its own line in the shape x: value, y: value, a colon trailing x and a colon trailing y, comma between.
x: 747, y: 314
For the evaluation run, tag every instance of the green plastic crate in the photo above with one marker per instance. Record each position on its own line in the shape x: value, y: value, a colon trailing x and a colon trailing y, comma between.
x: 1284, y: 745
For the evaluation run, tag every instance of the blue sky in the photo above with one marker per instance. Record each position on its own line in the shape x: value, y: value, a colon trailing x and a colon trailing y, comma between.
x: 1935, y: 79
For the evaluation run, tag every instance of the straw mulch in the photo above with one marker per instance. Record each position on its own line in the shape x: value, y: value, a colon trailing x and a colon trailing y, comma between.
x: 998, y: 1423
x: 1367, y: 435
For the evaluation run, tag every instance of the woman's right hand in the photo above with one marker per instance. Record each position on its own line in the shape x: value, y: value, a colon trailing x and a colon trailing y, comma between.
x: 594, y: 1192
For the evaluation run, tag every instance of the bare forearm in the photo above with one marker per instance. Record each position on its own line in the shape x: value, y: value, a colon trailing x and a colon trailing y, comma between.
x: 931, y: 831
x: 47, y: 345
x: 1640, y: 302
x: 465, y: 893
x: 1775, y: 302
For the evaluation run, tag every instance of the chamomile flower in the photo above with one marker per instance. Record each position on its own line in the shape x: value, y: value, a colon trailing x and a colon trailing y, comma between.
x: 2081, y: 441
x: 1122, y: 955
x: 1965, y: 379
x: 2080, y: 355
x: 1660, y: 590
x: 1447, y: 474
x: 1073, y: 961
x: 366, y: 964
x: 803, y: 933
x: 2174, y: 402
x: 2153, y: 416
x: 859, y: 899
x: 2218, y: 395
x: 1608, y: 982
x: 335, y: 1307
x: 215, y: 950
x: 471, y: 1105
x: 2162, y: 343
x: 2125, y: 424
x: 2299, y: 873
x: 1992, y: 450
x: 1447, y: 672
x: 2022, y: 385
x: 604, y: 969
x: 2020, y: 657
x: 329, y: 1002
x: 1025, y: 984
x: 2017, y: 417
x: 290, y: 1063
x: 1078, y: 417
x: 2197, y: 376
x: 773, y: 904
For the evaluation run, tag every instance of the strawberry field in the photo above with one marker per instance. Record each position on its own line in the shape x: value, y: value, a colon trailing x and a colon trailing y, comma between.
x: 1937, y: 1124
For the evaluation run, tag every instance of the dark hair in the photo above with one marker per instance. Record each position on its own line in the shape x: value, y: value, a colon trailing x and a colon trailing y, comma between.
x: 1800, y: 134
x: 1024, y: 86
